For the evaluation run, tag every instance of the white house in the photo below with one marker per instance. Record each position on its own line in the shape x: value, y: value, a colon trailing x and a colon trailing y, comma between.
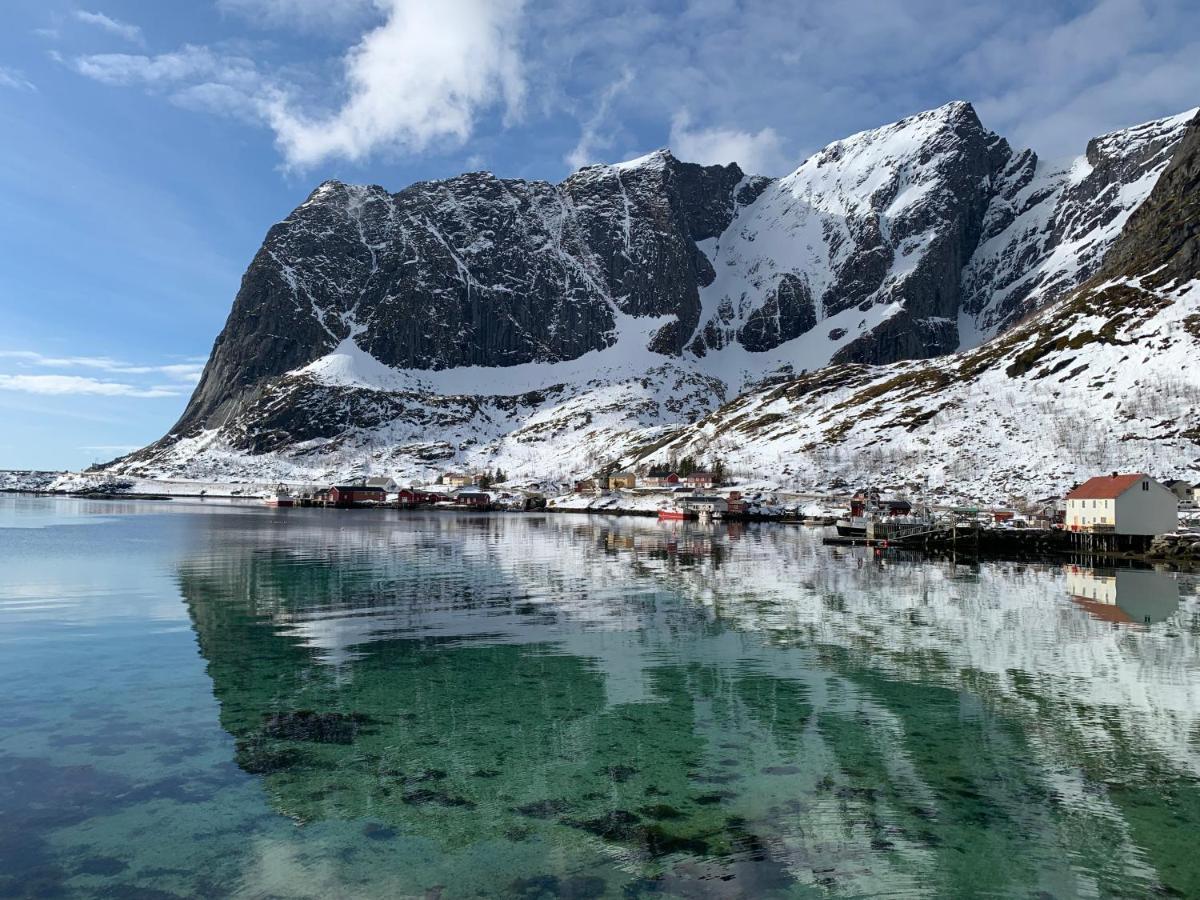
x: 716, y: 506
x: 1122, y: 504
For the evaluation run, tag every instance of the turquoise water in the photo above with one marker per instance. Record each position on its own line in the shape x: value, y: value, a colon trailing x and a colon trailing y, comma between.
x: 223, y: 701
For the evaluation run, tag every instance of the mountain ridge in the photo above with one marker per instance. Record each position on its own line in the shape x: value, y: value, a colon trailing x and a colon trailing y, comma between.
x: 554, y: 327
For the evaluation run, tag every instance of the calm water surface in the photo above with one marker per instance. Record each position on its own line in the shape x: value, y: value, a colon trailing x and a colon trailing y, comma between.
x: 215, y: 701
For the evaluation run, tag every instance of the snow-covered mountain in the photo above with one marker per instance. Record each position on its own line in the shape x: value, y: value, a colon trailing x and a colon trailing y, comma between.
x: 1106, y: 378
x: 549, y: 328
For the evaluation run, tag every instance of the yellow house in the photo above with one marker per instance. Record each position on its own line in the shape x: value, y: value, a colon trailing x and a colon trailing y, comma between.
x: 619, y: 480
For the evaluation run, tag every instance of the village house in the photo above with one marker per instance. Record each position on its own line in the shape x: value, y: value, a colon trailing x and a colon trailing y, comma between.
x: 658, y: 481
x: 703, y: 480
x: 1117, y: 504
x: 473, y: 499
x: 459, y: 479
x: 585, y: 486
x: 699, y: 503
x: 622, y: 481
x: 416, y: 497
x: 347, y: 495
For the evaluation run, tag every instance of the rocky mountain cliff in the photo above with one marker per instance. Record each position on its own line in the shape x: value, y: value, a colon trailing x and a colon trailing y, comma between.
x: 554, y: 326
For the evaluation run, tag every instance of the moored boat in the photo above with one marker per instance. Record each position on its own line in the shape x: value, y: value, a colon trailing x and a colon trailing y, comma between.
x: 855, y: 526
x: 279, y: 499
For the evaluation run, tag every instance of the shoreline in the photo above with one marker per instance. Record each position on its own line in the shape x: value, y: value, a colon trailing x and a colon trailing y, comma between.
x: 1005, y: 546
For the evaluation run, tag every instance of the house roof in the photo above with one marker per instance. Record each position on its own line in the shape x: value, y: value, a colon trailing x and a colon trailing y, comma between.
x: 358, y: 487
x: 1105, y: 487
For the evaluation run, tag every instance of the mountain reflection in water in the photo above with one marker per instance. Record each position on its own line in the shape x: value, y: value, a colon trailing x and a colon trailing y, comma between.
x: 570, y: 706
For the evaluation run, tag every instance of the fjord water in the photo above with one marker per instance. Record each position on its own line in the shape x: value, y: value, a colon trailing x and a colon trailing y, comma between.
x: 218, y: 700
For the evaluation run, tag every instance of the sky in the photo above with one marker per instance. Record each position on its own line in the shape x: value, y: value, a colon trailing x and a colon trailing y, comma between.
x: 147, y: 146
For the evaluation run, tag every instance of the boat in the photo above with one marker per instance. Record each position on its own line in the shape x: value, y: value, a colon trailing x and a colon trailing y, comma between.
x: 673, y: 515
x: 851, y: 527
x: 279, y: 499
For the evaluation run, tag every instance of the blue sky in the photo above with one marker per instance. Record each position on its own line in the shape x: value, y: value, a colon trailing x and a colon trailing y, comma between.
x: 147, y: 146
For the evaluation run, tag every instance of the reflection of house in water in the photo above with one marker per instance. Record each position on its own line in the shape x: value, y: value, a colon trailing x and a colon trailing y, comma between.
x: 1123, y: 596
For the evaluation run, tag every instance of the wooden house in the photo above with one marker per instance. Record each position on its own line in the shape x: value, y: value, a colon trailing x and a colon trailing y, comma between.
x: 669, y: 480
x: 622, y: 481
x: 347, y: 495
x: 1133, y: 504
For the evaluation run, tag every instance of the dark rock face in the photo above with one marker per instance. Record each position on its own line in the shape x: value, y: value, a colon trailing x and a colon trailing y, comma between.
x: 1162, y: 238
x: 472, y: 271
x: 788, y: 313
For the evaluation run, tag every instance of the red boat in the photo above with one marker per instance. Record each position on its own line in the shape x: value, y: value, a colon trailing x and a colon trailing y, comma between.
x: 674, y: 515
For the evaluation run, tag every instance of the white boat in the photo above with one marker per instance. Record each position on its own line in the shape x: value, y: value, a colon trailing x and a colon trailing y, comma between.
x: 279, y: 499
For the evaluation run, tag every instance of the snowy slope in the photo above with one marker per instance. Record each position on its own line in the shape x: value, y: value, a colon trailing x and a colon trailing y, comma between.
x: 1115, y: 386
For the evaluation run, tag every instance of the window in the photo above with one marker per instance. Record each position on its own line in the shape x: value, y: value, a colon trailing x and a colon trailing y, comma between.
x: 1145, y: 485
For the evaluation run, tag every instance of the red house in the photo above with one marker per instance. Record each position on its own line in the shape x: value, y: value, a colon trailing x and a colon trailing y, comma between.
x: 474, y: 499
x: 414, y: 497
x: 347, y: 495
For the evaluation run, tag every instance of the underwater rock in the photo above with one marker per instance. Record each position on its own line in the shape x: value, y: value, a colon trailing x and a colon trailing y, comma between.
x: 315, y: 727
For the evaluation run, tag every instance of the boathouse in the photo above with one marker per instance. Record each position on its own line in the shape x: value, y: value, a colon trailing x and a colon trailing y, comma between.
x: 1133, y: 505
x: 699, y: 503
x: 347, y: 495
x: 473, y: 499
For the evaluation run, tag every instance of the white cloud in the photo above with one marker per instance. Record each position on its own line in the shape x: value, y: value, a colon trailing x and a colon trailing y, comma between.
x: 591, y: 139
x: 421, y: 77
x: 12, y: 78
x: 123, y: 30
x: 190, y: 64
x: 301, y: 15
x: 193, y: 77
x: 77, y: 385
x: 761, y: 76
x: 185, y: 372
x: 758, y: 153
